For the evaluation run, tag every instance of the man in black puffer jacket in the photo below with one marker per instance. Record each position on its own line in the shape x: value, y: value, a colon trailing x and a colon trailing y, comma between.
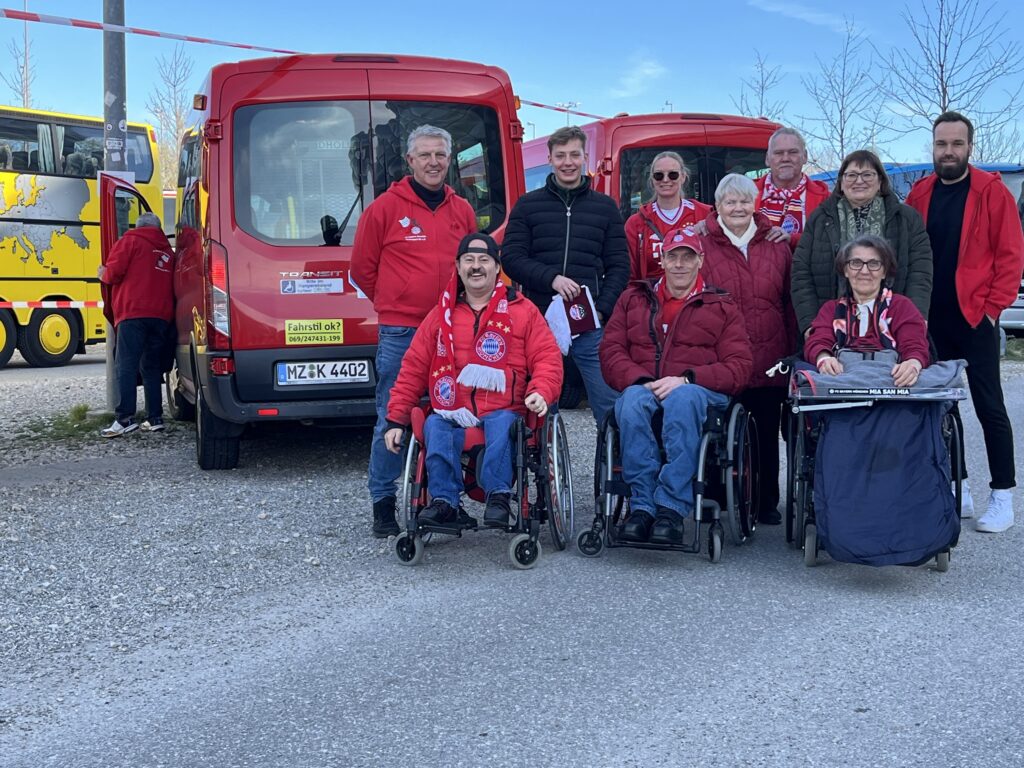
x: 563, y: 237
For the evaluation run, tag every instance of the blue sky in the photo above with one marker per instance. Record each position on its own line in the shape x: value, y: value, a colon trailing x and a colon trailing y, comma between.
x: 609, y: 57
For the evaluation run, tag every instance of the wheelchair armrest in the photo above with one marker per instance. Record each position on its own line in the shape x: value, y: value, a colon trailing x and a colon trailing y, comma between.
x: 418, y: 418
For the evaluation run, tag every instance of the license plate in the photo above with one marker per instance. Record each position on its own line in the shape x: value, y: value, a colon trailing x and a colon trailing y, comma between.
x: 327, y: 372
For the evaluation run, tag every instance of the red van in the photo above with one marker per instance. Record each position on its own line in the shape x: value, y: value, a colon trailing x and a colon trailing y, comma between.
x: 286, y: 155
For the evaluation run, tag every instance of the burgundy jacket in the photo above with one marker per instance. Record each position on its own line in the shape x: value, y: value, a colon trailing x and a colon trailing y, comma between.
x: 759, y: 284
x: 707, y: 341
x: 906, y: 325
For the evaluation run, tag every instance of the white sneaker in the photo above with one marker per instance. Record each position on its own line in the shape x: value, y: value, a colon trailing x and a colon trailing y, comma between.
x: 999, y: 515
x: 966, y: 502
x: 117, y: 428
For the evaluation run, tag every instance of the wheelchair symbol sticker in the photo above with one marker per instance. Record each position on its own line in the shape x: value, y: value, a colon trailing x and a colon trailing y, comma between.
x: 490, y: 347
x: 444, y: 391
x: 577, y: 312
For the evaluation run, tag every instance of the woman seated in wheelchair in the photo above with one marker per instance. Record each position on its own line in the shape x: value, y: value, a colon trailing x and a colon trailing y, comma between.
x: 869, y: 317
x: 485, y: 356
x: 678, y: 346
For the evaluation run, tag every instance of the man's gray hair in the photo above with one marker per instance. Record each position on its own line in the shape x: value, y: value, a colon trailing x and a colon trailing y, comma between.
x: 737, y: 185
x: 429, y: 132
x: 148, y: 219
x: 784, y: 131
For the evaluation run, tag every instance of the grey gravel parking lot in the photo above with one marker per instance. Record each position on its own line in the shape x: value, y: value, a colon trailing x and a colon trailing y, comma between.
x: 155, y: 615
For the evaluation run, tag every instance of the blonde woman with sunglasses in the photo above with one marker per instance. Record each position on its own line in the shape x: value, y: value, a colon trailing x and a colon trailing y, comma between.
x: 668, y: 210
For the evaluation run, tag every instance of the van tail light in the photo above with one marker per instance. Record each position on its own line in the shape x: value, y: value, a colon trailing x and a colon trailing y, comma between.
x: 222, y: 366
x: 218, y: 306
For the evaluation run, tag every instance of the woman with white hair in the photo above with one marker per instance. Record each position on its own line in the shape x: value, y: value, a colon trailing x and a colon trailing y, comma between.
x: 740, y: 259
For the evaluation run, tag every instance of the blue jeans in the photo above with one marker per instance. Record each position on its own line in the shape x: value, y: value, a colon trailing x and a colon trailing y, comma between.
x: 444, y: 456
x: 140, y: 346
x: 385, y: 466
x: 685, y: 410
x: 584, y: 351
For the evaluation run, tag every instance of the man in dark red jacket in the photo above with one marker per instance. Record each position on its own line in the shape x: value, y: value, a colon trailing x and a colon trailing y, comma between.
x: 484, y: 355
x: 140, y: 270
x: 978, y: 253
x: 402, y: 260
x: 679, y: 346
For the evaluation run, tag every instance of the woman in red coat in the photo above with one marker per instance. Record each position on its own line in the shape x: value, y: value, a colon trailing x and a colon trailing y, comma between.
x: 646, y: 229
x: 756, y: 272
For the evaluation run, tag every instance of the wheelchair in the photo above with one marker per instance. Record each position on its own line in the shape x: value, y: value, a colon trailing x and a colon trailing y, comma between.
x: 725, y: 486
x: 540, y: 451
x: 810, y: 410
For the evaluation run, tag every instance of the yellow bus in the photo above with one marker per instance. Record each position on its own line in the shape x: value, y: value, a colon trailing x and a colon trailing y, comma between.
x: 50, y: 304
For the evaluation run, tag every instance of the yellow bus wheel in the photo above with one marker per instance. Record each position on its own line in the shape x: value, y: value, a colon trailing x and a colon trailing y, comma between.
x: 51, y: 338
x: 8, y: 336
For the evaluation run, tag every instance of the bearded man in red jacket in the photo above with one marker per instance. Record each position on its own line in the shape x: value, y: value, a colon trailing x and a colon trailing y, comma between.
x: 678, y: 346
x: 485, y: 356
x: 402, y: 260
x: 140, y: 270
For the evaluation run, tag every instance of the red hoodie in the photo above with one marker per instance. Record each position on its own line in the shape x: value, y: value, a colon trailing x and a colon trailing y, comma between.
x: 404, y: 253
x: 140, y: 270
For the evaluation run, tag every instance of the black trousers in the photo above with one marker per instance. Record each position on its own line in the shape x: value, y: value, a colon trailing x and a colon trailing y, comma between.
x: 955, y: 339
x: 764, y: 404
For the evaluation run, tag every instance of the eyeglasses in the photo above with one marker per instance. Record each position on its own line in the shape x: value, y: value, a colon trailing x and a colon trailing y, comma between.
x: 856, y: 265
x: 852, y: 176
x: 660, y: 175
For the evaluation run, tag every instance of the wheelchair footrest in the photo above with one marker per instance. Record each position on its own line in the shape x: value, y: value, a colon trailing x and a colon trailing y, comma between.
x: 464, y: 523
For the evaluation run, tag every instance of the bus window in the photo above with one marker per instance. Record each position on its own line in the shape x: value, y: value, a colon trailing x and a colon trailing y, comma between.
x: 20, y: 140
x: 297, y: 162
x: 635, y: 175
x: 82, y: 150
x: 477, y: 170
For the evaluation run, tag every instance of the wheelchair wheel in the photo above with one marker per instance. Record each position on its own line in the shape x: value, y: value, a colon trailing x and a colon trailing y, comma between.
x: 810, y: 545
x: 408, y: 549
x: 951, y: 433
x: 741, y: 486
x: 715, y: 543
x: 561, y: 514
x: 405, y: 501
x: 589, y: 543
x: 798, y: 495
x: 523, y: 552
x: 942, y: 561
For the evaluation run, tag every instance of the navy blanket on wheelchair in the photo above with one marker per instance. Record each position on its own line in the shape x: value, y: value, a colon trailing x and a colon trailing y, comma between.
x: 882, y: 484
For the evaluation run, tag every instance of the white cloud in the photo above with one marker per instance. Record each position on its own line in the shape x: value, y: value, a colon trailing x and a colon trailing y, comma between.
x: 802, y: 13
x: 641, y: 74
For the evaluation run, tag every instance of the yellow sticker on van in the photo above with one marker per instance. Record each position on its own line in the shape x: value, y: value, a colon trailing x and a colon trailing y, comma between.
x: 327, y: 331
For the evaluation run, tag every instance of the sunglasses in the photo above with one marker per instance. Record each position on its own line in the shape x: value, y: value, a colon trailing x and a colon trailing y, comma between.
x: 660, y: 175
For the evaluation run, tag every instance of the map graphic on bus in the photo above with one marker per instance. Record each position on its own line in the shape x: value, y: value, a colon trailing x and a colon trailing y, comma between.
x: 52, y: 201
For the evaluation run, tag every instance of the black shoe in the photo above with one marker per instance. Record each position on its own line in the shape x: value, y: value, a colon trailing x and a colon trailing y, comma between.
x: 668, y: 527
x: 439, y: 512
x: 384, y: 524
x: 637, y: 526
x: 769, y: 515
x: 498, y: 511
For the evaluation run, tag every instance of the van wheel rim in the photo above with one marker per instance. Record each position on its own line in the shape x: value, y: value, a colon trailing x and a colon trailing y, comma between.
x: 54, y: 334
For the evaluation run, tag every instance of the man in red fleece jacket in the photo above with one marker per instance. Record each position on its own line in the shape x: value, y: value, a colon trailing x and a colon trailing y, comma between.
x: 402, y: 260
x: 140, y: 270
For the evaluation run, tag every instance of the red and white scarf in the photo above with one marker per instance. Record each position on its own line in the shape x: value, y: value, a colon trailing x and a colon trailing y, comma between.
x: 488, y: 368
x: 784, y: 207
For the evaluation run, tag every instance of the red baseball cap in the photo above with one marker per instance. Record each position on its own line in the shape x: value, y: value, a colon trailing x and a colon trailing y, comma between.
x: 683, y: 237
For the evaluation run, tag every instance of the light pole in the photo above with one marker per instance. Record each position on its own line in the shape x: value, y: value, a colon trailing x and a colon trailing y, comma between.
x: 533, y: 129
x: 669, y: 105
x: 567, y: 105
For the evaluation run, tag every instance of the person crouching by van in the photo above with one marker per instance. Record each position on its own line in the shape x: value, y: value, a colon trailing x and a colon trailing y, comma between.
x: 484, y: 356
x: 140, y: 271
x: 402, y: 260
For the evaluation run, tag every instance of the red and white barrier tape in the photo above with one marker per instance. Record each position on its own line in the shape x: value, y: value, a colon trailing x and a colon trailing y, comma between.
x: 43, y: 18
x: 50, y: 304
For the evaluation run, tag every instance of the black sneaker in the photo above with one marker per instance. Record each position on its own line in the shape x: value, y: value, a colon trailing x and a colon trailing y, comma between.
x: 384, y: 524
x: 637, y: 526
x: 498, y: 511
x: 439, y: 512
x: 668, y: 527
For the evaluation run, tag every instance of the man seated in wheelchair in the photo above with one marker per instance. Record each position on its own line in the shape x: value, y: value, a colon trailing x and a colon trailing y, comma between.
x: 485, y: 356
x: 679, y: 346
x: 868, y: 317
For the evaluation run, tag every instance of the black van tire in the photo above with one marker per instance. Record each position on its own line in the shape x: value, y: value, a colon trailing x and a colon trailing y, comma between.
x: 8, y: 336
x: 51, y: 338
x: 216, y: 441
x: 178, y: 406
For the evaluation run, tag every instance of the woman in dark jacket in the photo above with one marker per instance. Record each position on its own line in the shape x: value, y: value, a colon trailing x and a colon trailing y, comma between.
x: 755, y: 272
x: 862, y: 203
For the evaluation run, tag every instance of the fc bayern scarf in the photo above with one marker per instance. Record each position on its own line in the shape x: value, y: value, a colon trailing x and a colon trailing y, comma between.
x: 488, y: 366
x: 848, y: 311
x: 784, y: 207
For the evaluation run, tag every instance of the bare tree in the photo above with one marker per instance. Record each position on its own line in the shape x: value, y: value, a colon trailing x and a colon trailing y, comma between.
x: 755, y: 99
x: 960, y: 59
x: 1005, y: 144
x: 848, y: 109
x: 170, y: 103
x: 20, y: 80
